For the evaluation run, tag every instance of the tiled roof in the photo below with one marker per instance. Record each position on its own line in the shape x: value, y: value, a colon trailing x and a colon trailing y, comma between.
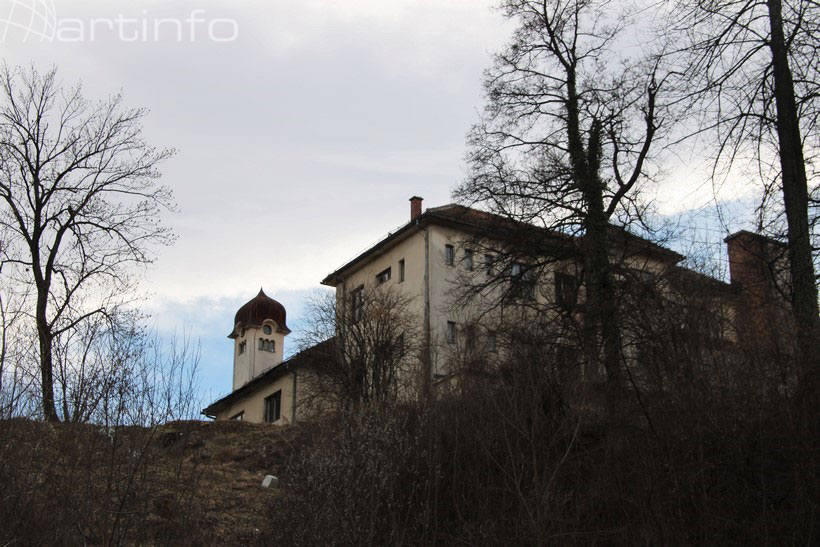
x: 489, y: 224
x: 265, y: 378
x: 257, y: 310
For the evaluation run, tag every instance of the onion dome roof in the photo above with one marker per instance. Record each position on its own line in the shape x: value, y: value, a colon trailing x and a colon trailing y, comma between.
x: 258, y: 310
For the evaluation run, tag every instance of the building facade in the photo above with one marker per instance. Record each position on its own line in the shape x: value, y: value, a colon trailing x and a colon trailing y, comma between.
x: 463, y: 287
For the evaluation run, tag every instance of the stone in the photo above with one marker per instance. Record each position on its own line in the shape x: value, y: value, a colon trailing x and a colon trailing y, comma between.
x: 270, y: 482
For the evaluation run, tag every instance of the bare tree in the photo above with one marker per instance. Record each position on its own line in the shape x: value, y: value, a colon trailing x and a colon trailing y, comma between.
x: 362, y: 351
x: 79, y: 193
x: 752, y: 71
x: 564, y: 144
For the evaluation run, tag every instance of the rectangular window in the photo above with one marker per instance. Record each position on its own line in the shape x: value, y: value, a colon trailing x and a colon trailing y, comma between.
x: 384, y: 277
x: 470, y: 338
x: 242, y: 345
x: 449, y: 255
x: 401, y: 270
x: 566, y: 290
x: 489, y: 263
x: 357, y: 304
x: 523, y: 283
x: 273, y: 407
x: 451, y: 332
x: 468, y: 260
x: 492, y: 342
x: 239, y: 417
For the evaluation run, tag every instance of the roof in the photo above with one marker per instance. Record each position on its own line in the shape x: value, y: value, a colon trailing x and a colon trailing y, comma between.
x: 478, y: 221
x: 259, y: 309
x: 264, y: 379
x: 745, y: 234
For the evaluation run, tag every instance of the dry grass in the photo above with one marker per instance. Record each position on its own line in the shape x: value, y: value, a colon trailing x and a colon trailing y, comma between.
x: 192, y: 482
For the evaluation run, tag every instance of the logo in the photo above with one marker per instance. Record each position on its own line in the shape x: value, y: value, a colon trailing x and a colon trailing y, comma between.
x: 28, y: 20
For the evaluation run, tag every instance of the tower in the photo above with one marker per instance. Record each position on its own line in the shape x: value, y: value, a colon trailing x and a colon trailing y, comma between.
x: 259, y: 337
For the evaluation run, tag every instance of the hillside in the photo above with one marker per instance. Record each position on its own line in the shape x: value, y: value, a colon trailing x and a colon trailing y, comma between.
x: 194, y: 482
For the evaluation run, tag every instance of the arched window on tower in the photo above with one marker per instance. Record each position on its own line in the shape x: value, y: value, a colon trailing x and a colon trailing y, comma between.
x: 267, y: 345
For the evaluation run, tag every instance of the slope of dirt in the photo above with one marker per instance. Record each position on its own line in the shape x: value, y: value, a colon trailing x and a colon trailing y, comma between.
x: 194, y: 482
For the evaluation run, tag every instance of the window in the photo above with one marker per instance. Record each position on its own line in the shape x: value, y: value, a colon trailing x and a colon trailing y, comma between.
x: 566, y: 290
x: 383, y: 277
x: 523, y: 284
x: 489, y: 262
x: 357, y: 304
x: 451, y: 332
x: 492, y: 342
x: 468, y: 260
x: 401, y: 270
x: 267, y: 329
x: 470, y: 338
x: 449, y: 255
x: 242, y: 346
x: 273, y: 407
x: 267, y: 345
x: 239, y: 417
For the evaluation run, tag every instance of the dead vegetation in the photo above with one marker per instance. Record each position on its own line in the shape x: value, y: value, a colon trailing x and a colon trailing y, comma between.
x: 184, y: 483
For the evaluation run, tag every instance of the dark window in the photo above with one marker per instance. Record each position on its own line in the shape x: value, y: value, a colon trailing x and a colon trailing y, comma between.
x: 261, y: 344
x: 470, y: 338
x: 468, y: 260
x: 401, y: 270
x: 449, y: 255
x: 489, y: 263
x: 239, y: 417
x: 273, y: 407
x: 383, y: 277
x: 267, y: 329
x: 357, y: 304
x: 566, y: 290
x: 492, y: 342
x: 523, y: 283
x: 242, y: 345
x: 451, y: 332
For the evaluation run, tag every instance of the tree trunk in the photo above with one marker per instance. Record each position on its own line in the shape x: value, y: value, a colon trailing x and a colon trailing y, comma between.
x: 46, y: 361
x: 601, y: 307
x: 601, y: 298
x: 795, y: 200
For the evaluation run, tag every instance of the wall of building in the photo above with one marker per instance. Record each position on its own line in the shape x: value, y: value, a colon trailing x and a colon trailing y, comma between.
x: 412, y: 251
x: 253, y: 404
x: 255, y: 361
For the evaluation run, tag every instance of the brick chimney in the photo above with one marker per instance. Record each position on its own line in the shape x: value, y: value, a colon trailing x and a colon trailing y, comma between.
x: 415, y: 207
x: 759, y: 273
x: 756, y: 263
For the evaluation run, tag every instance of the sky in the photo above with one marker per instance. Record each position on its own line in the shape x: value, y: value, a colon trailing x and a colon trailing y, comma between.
x: 301, y: 127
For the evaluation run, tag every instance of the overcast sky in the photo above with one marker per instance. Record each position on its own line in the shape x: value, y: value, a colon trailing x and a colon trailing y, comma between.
x: 302, y: 128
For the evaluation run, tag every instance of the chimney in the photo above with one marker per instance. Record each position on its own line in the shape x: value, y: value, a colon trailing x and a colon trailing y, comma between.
x: 758, y: 271
x: 755, y: 262
x: 415, y: 207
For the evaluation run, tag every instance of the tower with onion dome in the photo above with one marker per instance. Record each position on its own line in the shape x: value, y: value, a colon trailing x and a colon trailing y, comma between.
x: 259, y: 330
